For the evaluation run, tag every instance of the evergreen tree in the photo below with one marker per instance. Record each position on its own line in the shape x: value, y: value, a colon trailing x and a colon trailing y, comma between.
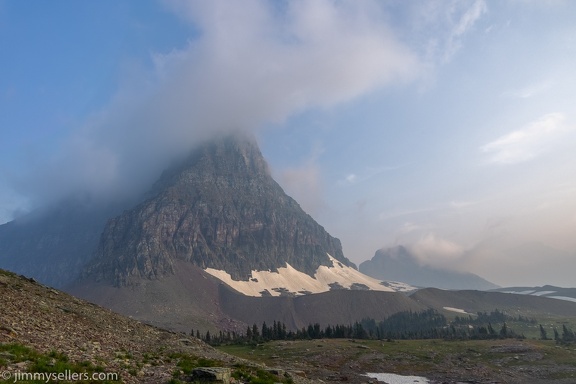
x: 491, y: 330
x: 556, y: 335
x: 543, y: 334
x: 567, y: 334
x: 255, y: 333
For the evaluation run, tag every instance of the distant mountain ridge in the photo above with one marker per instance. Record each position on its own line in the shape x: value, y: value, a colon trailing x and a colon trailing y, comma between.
x: 399, y: 264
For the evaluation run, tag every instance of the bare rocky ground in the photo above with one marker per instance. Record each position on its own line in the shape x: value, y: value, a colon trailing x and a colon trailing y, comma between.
x: 49, y: 320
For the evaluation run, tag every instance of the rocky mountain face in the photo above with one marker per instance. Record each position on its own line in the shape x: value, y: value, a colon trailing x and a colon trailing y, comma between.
x: 219, y: 209
x: 398, y: 264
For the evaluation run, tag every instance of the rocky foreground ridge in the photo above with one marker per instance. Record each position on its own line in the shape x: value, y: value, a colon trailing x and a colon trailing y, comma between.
x: 46, y: 330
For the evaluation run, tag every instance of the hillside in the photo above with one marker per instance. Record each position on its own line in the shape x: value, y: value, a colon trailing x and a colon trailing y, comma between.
x: 47, y: 320
x: 45, y: 330
x: 476, y: 301
x: 550, y: 291
x: 192, y: 298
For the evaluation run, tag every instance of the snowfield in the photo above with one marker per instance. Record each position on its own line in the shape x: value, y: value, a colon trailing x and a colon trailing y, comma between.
x: 289, y: 279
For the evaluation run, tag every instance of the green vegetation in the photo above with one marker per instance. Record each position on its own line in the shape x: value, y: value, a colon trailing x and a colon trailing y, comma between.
x: 417, y: 357
x: 187, y: 363
x: 252, y: 375
x: 7, y: 273
x: 244, y: 373
x: 52, y: 362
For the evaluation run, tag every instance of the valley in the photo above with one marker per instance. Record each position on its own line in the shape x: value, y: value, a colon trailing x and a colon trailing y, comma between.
x: 45, y: 330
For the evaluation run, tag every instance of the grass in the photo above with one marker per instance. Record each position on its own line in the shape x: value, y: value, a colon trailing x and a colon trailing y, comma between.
x: 420, y: 357
x: 52, y: 362
x: 248, y: 374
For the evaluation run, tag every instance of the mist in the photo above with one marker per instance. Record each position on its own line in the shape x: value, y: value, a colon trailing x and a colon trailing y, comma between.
x: 249, y: 66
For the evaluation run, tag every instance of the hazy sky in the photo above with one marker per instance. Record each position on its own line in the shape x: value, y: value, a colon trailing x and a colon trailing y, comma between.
x: 445, y: 126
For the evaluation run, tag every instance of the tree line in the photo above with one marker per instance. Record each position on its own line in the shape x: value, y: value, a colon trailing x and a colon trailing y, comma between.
x: 428, y: 324
x: 495, y: 316
x: 568, y: 336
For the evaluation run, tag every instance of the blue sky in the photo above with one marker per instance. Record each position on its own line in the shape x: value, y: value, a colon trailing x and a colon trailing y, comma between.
x: 445, y: 126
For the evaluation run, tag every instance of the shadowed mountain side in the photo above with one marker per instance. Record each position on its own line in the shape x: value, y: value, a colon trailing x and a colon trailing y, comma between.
x: 328, y: 308
x: 53, y: 245
x: 476, y: 301
x: 193, y: 299
x: 182, y: 301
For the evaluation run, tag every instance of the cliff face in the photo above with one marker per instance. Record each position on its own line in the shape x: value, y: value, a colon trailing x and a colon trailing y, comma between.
x: 220, y: 208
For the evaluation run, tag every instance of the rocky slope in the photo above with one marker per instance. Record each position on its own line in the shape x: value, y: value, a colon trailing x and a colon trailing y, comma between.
x: 218, y: 209
x: 398, y: 264
x: 61, y: 327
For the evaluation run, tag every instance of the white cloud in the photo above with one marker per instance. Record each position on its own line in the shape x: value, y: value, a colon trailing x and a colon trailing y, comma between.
x: 442, y: 25
x: 367, y: 174
x: 436, y: 251
x: 252, y: 63
x: 464, y: 23
x: 529, y: 142
x: 530, y: 90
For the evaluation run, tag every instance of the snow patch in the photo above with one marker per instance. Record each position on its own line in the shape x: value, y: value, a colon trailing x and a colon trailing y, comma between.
x: 521, y: 292
x: 290, y: 280
x: 399, y: 286
x: 567, y: 298
x: 393, y: 378
x: 543, y: 293
x: 457, y: 310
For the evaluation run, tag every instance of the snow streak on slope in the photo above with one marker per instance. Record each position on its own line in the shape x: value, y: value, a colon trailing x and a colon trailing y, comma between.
x: 288, y: 280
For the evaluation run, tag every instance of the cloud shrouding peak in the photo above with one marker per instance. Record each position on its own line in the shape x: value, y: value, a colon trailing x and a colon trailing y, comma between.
x: 529, y: 142
x: 252, y: 63
x: 436, y: 251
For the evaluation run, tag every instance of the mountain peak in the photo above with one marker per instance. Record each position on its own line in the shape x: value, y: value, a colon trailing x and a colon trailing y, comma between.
x: 226, y: 156
x: 220, y: 209
x: 400, y: 264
